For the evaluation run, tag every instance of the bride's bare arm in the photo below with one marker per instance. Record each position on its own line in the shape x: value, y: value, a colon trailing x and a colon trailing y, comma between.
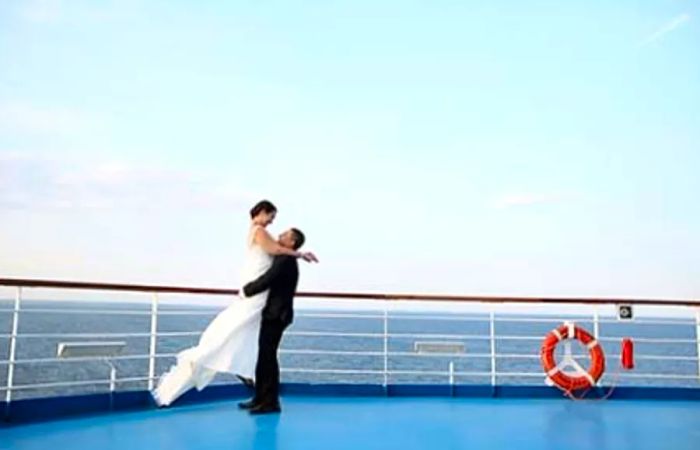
x: 264, y: 240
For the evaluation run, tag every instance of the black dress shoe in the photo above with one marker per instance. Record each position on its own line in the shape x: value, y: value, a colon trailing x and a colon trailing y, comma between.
x: 247, y: 381
x: 266, y: 409
x: 250, y: 404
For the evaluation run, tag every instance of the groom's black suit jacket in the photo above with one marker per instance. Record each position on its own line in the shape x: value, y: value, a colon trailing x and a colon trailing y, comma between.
x: 281, y: 278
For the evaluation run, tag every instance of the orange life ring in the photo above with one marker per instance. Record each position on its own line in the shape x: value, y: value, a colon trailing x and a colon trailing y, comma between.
x: 556, y: 375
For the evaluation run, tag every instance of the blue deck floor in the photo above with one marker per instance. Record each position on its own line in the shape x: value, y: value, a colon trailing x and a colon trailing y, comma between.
x: 379, y: 423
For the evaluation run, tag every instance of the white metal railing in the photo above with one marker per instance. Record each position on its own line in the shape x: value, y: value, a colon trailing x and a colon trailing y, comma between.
x: 13, y: 348
x: 492, y: 344
x: 385, y: 327
x: 153, y: 341
x: 492, y: 369
x: 697, y: 336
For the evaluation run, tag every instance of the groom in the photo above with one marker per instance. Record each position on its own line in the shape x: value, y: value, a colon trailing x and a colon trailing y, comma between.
x: 281, y: 279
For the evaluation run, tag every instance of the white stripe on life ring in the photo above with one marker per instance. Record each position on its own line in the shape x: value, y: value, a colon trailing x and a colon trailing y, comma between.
x: 572, y: 329
x: 553, y: 371
x: 592, y: 344
x: 589, y: 378
x: 557, y: 334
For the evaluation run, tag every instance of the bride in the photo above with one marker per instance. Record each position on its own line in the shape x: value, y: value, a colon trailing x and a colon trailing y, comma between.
x: 230, y: 342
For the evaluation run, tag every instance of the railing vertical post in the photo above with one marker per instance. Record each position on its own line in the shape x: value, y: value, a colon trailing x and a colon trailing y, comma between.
x: 386, y: 346
x: 697, y: 337
x: 492, y: 334
x: 112, y: 382
x: 13, y: 351
x: 154, y: 340
x: 452, y: 378
x: 596, y: 322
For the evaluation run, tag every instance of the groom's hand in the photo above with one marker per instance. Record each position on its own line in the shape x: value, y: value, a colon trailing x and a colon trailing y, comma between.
x: 264, y: 281
x: 309, y: 257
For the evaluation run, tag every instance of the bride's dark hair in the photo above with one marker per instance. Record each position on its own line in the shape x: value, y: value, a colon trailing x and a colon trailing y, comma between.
x: 265, y: 206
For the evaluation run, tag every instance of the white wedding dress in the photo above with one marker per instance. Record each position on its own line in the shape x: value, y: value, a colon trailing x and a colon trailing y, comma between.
x: 229, y: 343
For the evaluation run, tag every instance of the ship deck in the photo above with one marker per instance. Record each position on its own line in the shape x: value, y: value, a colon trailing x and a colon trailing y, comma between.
x: 309, y: 422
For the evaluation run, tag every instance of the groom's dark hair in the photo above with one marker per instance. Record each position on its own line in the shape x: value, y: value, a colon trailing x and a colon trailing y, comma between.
x: 262, y: 206
x: 299, y: 238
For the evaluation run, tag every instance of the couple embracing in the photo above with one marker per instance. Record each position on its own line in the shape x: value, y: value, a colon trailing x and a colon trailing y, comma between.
x: 243, y: 339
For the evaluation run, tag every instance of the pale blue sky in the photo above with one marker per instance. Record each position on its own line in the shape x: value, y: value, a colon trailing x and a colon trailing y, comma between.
x: 521, y: 148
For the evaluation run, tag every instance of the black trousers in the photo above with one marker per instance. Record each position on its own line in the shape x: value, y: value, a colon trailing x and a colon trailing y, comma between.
x: 267, y: 370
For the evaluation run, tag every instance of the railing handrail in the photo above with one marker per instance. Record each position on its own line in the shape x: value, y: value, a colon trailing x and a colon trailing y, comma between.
x: 124, y: 287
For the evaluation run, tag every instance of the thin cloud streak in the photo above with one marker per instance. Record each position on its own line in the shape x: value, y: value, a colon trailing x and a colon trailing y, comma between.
x: 40, y: 183
x: 23, y: 117
x: 523, y: 199
x: 74, y: 12
x: 42, y: 11
x: 665, y: 29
